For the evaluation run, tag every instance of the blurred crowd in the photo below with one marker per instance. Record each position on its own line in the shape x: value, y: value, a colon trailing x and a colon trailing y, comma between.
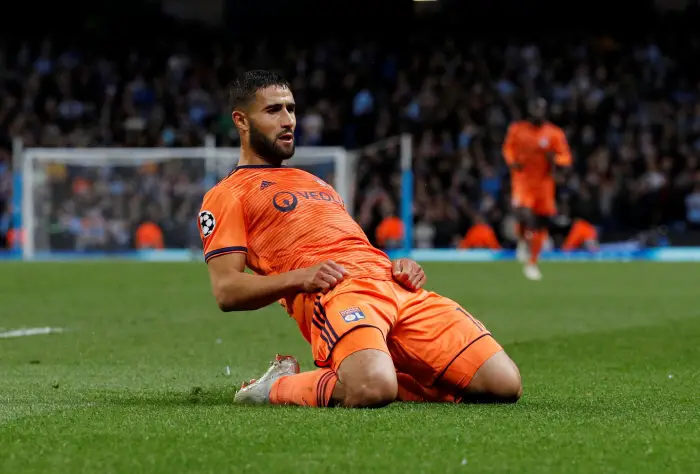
x: 631, y: 111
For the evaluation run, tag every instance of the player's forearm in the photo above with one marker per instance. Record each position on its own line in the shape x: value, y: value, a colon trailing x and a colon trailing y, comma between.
x: 562, y: 153
x: 246, y: 292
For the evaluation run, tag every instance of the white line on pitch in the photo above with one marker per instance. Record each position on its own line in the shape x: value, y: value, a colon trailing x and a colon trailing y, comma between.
x: 29, y: 332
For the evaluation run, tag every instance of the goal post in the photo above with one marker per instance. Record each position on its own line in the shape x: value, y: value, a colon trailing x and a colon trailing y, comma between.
x: 398, y: 151
x: 65, y: 187
x: 407, y: 190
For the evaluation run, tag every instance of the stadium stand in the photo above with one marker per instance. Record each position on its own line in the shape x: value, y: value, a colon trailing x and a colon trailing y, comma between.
x: 631, y: 110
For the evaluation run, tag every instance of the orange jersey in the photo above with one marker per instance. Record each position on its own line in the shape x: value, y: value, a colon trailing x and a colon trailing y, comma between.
x: 285, y: 219
x: 528, y: 145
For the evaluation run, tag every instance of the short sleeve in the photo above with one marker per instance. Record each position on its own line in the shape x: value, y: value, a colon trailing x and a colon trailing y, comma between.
x: 222, y: 224
x: 508, y: 149
x: 561, y: 148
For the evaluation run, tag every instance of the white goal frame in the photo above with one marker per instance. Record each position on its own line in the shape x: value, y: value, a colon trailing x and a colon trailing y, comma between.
x: 218, y: 161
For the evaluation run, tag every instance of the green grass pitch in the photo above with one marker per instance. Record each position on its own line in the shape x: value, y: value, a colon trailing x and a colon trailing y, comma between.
x: 609, y: 353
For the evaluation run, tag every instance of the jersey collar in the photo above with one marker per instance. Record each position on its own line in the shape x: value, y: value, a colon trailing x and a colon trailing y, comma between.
x: 242, y: 167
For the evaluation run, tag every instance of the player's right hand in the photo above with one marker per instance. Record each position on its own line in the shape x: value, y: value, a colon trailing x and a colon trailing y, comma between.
x: 321, y: 277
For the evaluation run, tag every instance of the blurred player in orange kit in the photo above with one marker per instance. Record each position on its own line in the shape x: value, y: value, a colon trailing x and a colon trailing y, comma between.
x: 533, y: 148
x: 376, y: 336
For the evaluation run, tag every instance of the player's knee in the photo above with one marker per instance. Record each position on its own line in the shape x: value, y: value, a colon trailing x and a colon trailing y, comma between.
x: 368, y: 379
x: 498, y: 380
x: 374, y: 389
x: 507, y: 386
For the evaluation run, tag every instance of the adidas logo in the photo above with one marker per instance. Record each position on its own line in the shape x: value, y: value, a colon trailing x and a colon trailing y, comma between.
x: 266, y: 184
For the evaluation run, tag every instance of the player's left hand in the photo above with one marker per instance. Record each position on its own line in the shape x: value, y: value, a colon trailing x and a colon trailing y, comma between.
x: 409, y: 274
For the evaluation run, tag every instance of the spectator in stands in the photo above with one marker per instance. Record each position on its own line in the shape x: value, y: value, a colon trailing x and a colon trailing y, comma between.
x: 631, y: 112
x: 692, y: 205
x: 581, y: 236
x: 390, y: 231
x: 149, y: 236
x: 480, y: 236
x: 5, y: 196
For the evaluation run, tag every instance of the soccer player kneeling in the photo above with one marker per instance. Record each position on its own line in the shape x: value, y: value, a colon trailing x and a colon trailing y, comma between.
x: 376, y: 335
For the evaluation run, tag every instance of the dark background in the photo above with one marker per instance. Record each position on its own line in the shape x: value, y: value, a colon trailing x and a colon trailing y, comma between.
x: 155, y: 28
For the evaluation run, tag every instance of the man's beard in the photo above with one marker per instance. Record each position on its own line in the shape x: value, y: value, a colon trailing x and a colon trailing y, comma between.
x: 267, y: 148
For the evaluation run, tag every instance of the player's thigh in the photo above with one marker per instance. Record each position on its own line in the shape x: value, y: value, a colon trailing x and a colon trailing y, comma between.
x: 544, y: 208
x: 433, y: 332
x: 522, y: 200
x: 543, y: 217
x: 349, y: 336
x: 349, y: 322
x: 525, y: 210
x: 526, y: 217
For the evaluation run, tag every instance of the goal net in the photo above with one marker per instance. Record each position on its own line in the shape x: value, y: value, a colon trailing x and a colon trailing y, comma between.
x: 102, y: 201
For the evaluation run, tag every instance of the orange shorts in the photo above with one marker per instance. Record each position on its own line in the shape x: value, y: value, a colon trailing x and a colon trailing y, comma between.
x: 540, y: 199
x: 423, y: 332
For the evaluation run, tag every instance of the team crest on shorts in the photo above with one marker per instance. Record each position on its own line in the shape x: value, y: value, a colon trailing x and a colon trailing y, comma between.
x: 206, y: 223
x: 351, y: 315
